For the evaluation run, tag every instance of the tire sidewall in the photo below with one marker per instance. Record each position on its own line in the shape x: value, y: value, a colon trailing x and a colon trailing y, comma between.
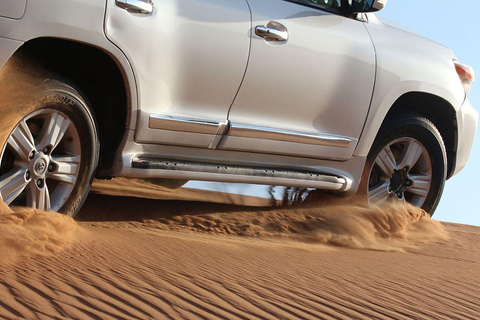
x: 427, y: 134
x: 57, y: 95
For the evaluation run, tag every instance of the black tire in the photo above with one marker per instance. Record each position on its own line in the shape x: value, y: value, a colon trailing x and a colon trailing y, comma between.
x: 396, y: 136
x: 70, y: 158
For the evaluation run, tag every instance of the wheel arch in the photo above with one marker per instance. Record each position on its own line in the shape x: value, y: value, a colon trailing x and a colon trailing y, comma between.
x: 98, y: 74
x: 436, y: 109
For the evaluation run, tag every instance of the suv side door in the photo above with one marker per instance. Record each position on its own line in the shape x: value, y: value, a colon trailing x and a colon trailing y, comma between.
x: 189, y: 58
x: 308, y: 95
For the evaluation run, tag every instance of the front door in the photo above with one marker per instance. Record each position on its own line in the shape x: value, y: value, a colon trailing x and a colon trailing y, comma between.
x: 309, y: 81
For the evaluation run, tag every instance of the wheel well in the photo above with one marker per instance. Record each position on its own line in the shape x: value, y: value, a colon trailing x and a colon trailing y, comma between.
x: 439, y: 111
x: 96, y: 74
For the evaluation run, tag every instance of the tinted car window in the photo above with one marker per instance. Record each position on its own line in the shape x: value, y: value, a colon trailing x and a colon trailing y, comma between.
x: 325, y: 3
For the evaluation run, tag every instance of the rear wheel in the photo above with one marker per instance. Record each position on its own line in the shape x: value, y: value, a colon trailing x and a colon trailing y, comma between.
x: 407, y: 163
x: 49, y: 158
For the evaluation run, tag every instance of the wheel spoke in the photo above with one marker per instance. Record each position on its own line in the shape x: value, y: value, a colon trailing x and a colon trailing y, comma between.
x: 12, y: 184
x: 420, y: 184
x: 21, y: 141
x: 379, y: 194
x: 38, y: 198
x: 386, y: 162
x: 400, y: 199
x: 53, y: 131
x: 66, y: 168
x: 412, y: 152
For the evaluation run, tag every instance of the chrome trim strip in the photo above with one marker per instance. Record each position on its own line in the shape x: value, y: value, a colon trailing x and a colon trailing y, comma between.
x: 222, y: 129
x: 254, y: 132
x: 183, y: 124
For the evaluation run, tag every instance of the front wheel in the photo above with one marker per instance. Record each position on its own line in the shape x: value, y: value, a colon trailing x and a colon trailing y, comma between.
x: 49, y: 158
x: 407, y: 163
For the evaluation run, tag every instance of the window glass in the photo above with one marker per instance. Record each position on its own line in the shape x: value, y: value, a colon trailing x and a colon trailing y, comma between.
x: 325, y: 3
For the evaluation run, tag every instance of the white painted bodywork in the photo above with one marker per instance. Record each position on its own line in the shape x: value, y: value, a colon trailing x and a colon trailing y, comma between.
x: 467, y: 118
x: 7, y: 48
x: 189, y: 59
x: 13, y: 9
x: 335, y: 76
x: 319, y: 81
x: 425, y: 67
x: 76, y: 20
x: 407, y: 63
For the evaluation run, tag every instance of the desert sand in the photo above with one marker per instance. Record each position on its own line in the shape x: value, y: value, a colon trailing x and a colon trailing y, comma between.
x: 158, y: 256
x: 134, y: 258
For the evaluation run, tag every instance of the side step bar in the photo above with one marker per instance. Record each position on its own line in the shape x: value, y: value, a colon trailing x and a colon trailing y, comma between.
x: 172, y: 169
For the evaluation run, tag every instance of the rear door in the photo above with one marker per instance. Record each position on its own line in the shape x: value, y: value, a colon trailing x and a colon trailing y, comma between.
x: 189, y: 58
x: 309, y: 94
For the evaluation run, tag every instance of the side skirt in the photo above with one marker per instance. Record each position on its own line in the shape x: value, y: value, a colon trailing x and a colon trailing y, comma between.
x: 164, y: 168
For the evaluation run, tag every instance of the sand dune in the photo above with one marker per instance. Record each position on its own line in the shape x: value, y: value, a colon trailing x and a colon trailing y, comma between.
x: 31, y: 233
x: 391, y: 228
x: 136, y: 258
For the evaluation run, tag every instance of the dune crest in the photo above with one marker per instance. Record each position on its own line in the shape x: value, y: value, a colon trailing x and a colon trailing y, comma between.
x: 31, y: 233
x: 393, y: 227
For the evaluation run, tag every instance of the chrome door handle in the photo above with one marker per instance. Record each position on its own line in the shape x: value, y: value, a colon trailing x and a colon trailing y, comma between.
x: 136, y: 6
x: 271, y: 33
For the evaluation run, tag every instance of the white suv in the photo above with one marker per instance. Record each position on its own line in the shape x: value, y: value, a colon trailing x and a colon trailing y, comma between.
x: 305, y: 93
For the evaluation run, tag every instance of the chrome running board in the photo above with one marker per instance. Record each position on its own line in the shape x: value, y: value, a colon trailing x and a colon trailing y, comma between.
x: 162, y: 168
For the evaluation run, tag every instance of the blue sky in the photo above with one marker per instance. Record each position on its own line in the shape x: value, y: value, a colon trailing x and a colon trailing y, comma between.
x: 455, y: 24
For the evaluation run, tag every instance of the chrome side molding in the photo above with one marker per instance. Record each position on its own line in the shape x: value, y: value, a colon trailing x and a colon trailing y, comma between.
x: 220, y: 129
x: 247, y: 131
x: 183, y: 124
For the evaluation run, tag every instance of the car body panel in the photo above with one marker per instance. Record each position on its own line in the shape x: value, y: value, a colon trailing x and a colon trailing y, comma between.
x: 8, y: 48
x: 302, y: 135
x: 407, y: 63
x: 320, y: 81
x: 13, y: 9
x: 189, y: 59
x: 350, y: 169
x: 467, y: 118
x: 79, y: 21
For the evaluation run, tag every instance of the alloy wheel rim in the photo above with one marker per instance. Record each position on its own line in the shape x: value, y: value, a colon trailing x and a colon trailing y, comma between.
x: 40, y: 161
x: 402, y: 172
